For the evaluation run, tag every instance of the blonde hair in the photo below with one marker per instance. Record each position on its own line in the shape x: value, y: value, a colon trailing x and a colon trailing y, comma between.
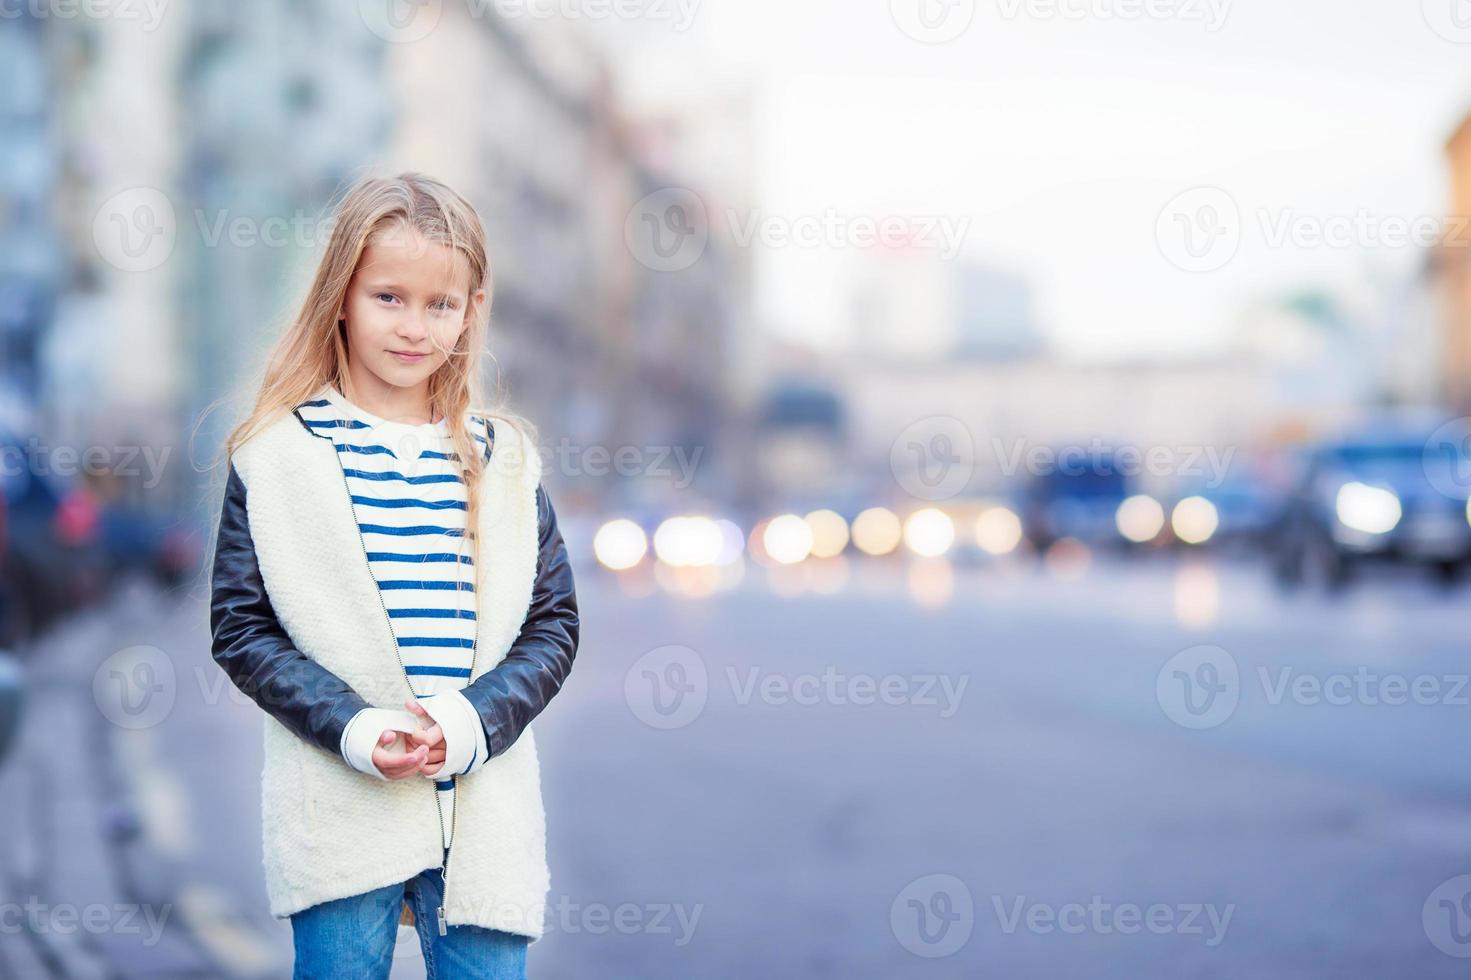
x: 312, y: 351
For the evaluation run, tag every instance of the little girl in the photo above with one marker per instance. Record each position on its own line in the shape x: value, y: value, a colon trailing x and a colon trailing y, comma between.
x: 390, y: 586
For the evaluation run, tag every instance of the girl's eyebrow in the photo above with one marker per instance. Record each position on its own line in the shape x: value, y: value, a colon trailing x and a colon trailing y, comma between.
x: 390, y: 285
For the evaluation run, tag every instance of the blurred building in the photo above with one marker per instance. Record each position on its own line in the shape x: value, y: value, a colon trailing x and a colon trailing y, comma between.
x: 1452, y: 268
x: 31, y: 266
x: 995, y: 318
x: 905, y: 304
x: 709, y: 353
x: 285, y: 103
x: 111, y: 365
x: 596, y: 348
x: 914, y: 304
x: 804, y: 451
x: 167, y: 193
x: 1010, y: 409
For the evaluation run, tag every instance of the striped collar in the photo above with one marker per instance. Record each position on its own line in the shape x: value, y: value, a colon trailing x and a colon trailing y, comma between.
x: 485, y: 434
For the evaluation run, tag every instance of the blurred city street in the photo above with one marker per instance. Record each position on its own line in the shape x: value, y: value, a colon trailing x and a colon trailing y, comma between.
x: 1024, y: 752
x: 1016, y: 460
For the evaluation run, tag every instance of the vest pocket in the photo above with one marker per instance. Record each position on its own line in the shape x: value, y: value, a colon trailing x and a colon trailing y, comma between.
x: 309, y: 807
x: 290, y: 796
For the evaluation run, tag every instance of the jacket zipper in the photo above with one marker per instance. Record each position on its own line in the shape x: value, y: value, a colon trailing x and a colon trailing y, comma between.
x: 398, y: 654
x: 454, y: 813
x: 454, y: 810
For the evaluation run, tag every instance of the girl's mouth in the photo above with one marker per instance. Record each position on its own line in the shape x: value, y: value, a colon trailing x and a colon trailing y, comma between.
x: 407, y: 357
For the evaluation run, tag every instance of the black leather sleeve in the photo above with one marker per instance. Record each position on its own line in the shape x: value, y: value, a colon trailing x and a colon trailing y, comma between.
x: 255, y: 650
x: 513, y: 692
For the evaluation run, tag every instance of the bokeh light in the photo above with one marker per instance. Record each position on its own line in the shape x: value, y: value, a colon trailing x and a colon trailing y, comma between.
x: 1140, y: 518
x: 620, y: 544
x: 929, y: 533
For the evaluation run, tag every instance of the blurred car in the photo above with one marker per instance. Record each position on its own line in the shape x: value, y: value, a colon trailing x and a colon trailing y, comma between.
x: 140, y: 542
x: 1378, y: 495
x: 1078, y: 502
x: 1239, y: 512
x: 67, y: 541
x: 54, y: 560
x: 8, y: 622
x: 12, y: 690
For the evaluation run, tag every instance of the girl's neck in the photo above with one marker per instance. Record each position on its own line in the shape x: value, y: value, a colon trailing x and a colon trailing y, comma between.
x: 373, y: 395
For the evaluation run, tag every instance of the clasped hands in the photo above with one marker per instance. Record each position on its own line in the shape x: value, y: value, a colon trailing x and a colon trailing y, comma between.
x: 401, y: 753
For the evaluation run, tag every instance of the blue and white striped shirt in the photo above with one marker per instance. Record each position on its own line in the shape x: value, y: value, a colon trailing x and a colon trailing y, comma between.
x: 409, y: 501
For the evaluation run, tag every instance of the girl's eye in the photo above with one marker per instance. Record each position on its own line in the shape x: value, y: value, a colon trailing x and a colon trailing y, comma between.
x: 443, y: 304
x: 386, y: 297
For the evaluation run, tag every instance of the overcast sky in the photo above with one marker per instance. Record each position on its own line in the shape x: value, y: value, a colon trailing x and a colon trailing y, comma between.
x: 1060, y: 131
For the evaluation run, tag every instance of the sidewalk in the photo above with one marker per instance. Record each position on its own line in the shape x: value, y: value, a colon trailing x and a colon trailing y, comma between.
x: 91, y: 893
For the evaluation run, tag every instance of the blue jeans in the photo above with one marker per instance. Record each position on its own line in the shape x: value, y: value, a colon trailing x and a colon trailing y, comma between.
x: 353, y: 938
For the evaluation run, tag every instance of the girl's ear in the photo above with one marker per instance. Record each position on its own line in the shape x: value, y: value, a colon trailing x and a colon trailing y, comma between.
x: 477, y: 302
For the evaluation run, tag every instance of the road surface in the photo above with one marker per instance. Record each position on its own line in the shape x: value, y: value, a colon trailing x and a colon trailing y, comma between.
x: 1153, y: 769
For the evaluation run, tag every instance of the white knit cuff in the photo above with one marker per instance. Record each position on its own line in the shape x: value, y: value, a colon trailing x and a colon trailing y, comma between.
x: 464, y: 735
x: 360, y: 737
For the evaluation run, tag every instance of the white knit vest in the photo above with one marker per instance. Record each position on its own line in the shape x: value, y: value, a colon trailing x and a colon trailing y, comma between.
x: 328, y: 831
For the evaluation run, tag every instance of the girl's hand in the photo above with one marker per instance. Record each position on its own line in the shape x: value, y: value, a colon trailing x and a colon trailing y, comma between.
x: 430, y: 738
x: 397, y: 765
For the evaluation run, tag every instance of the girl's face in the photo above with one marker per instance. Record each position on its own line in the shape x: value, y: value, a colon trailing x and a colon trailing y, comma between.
x: 406, y: 306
